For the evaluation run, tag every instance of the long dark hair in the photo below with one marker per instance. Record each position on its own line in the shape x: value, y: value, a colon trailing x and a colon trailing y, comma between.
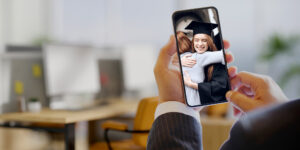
x: 184, y: 43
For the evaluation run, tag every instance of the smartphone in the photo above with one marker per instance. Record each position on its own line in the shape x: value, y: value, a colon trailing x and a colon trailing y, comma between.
x: 201, y: 56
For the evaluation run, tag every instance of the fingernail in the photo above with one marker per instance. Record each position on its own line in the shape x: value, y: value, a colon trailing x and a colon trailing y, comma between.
x: 228, y: 95
x: 232, y: 87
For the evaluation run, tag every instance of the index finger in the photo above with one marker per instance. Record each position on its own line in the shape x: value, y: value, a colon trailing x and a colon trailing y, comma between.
x: 226, y: 44
x: 247, y: 78
x: 187, y: 55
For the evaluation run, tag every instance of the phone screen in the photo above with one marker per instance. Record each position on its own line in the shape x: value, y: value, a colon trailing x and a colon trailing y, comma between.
x: 201, y: 56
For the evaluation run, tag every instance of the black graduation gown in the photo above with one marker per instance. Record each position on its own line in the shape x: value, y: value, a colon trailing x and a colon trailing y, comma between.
x: 214, y: 90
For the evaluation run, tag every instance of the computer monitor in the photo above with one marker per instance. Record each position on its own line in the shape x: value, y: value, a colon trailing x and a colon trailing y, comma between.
x: 70, y: 71
x: 138, y: 62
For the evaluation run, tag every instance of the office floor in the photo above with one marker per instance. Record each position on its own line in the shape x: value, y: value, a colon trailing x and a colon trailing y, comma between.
x: 13, y: 139
x: 23, y: 139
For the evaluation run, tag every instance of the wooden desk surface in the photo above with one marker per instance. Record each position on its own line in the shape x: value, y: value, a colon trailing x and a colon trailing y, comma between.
x: 66, y: 116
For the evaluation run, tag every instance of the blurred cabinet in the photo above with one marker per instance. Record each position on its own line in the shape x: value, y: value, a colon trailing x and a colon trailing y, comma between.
x: 215, y: 132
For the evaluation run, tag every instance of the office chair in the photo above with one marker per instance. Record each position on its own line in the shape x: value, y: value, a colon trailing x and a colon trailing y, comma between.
x: 142, y: 125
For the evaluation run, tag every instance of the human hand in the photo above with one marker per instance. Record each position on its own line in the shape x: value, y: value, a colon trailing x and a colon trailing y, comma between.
x: 175, y: 60
x: 187, y: 61
x: 188, y: 81
x: 252, y: 91
x: 168, y: 80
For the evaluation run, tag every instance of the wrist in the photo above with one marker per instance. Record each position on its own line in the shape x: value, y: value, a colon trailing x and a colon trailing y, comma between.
x: 177, y: 107
x: 169, y: 98
x: 164, y: 101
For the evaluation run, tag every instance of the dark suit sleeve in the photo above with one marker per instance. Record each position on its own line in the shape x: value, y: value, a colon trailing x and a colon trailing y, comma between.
x: 237, y: 140
x: 175, y: 131
x: 273, y: 128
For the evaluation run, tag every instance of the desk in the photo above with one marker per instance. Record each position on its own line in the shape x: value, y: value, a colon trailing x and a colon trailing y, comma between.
x: 67, y: 118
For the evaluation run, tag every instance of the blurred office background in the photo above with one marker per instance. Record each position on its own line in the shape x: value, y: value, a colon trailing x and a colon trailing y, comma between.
x: 127, y: 36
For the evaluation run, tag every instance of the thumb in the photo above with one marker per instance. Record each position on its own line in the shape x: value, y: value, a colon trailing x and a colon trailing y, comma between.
x: 166, y: 53
x: 240, y: 100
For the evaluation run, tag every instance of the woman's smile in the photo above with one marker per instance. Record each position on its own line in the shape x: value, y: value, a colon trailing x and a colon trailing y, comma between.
x: 200, y: 43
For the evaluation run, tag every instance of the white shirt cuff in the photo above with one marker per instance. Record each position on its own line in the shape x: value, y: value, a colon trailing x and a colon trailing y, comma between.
x: 221, y: 56
x: 173, y: 106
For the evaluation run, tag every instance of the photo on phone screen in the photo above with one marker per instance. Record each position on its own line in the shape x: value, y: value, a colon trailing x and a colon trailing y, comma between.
x: 201, y: 56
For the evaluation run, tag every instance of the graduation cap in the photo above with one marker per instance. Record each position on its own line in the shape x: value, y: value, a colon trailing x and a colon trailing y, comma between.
x: 201, y: 27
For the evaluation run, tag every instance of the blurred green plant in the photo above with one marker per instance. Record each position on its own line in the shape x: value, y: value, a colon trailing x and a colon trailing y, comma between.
x: 278, y: 45
x: 39, y: 41
x: 33, y: 99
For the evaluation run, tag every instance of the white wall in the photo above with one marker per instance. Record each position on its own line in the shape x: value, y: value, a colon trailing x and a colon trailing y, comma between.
x: 25, y: 21
x: 21, y: 22
x: 1, y: 50
x: 3, y: 86
x: 112, y: 23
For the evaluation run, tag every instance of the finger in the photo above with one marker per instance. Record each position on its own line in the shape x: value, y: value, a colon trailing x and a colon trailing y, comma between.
x: 229, y: 57
x: 188, y: 55
x: 240, y: 100
x: 249, y: 79
x: 226, y: 44
x: 189, y: 63
x: 166, y: 54
x: 193, y: 61
x: 235, y: 83
x: 232, y: 71
x: 246, y: 90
